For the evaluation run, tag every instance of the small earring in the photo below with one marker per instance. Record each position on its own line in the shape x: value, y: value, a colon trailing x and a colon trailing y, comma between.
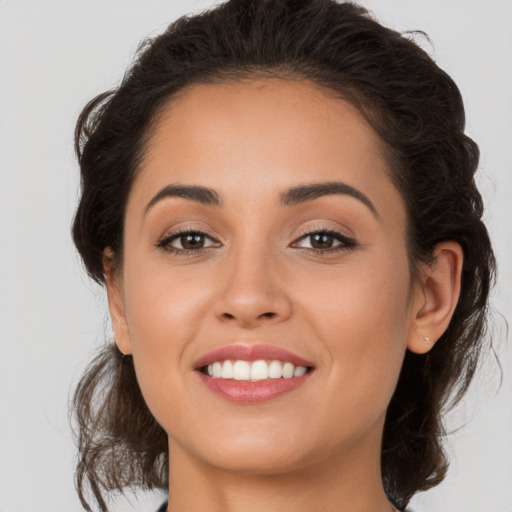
x: 427, y: 339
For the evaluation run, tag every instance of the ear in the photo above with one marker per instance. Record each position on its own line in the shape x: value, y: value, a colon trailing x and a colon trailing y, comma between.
x: 115, y: 297
x: 436, y: 297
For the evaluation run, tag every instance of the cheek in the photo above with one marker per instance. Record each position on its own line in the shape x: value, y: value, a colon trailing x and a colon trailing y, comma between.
x: 362, y: 318
x: 162, y: 307
x: 164, y: 312
x: 366, y: 296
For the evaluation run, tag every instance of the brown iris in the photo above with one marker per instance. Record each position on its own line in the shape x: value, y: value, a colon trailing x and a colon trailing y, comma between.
x: 321, y: 241
x: 192, y: 241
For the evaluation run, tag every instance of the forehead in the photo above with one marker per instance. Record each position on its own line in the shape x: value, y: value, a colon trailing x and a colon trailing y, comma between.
x: 262, y: 137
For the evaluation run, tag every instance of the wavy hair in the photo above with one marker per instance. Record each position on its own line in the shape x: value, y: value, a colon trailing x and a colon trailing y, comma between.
x: 418, y: 112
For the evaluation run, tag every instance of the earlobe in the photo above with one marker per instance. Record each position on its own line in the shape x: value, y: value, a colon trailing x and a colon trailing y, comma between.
x: 116, y: 303
x: 437, y: 297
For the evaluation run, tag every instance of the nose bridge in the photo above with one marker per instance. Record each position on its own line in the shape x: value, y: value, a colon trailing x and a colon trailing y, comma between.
x: 252, y: 290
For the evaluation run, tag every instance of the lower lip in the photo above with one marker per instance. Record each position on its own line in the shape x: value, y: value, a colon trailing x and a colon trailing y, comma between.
x: 246, y: 392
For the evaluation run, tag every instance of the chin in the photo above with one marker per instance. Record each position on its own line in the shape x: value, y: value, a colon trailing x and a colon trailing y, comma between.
x: 247, y: 461
x: 249, y: 453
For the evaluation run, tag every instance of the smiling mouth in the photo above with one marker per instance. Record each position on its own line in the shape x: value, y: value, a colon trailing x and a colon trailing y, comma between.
x: 254, y: 371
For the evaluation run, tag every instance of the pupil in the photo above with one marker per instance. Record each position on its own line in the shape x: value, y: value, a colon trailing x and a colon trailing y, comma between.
x: 192, y: 241
x: 322, y: 241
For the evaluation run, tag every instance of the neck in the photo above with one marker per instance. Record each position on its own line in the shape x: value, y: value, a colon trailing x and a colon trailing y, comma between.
x: 348, y: 483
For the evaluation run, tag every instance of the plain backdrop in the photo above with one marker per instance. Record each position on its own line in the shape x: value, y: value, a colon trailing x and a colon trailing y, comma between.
x: 54, y: 57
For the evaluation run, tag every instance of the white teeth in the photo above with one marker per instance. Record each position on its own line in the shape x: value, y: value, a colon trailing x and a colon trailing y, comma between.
x: 275, y: 370
x: 259, y: 370
x: 241, y: 370
x: 217, y: 370
x: 227, y: 370
x: 255, y: 371
x: 299, y: 371
x: 288, y: 369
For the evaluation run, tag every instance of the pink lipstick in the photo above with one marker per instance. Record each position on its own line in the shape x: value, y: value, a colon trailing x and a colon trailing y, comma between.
x: 249, y: 374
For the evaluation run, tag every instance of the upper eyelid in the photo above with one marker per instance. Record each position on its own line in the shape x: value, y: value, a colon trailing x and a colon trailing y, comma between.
x: 324, y: 229
x: 183, y: 232
x: 302, y: 233
x: 176, y: 233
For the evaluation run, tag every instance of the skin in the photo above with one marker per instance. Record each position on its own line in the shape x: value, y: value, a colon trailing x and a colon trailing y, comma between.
x: 258, y: 279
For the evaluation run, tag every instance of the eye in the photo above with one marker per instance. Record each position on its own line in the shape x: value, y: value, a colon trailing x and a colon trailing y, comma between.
x: 187, y: 241
x: 325, y: 240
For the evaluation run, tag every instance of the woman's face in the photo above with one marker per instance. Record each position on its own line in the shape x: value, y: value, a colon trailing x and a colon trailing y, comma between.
x: 294, y: 241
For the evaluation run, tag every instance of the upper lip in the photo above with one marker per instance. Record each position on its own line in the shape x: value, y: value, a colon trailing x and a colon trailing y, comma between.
x: 251, y: 353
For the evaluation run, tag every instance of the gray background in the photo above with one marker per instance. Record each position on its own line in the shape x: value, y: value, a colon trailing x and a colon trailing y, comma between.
x: 54, y: 57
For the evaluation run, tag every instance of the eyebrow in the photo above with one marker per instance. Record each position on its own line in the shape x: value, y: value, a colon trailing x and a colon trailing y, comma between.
x: 197, y: 193
x: 291, y: 197
x: 304, y: 193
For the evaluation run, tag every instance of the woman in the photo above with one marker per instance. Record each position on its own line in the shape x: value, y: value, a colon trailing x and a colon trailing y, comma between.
x: 280, y: 201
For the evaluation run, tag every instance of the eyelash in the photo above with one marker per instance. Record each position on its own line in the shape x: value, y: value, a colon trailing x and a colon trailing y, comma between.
x: 345, y: 245
x: 346, y: 242
x: 165, y: 243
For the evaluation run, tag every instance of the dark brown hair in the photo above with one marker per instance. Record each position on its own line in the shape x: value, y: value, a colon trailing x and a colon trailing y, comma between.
x: 417, y: 110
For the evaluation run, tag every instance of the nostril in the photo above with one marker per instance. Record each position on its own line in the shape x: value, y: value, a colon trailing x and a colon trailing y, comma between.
x: 265, y: 315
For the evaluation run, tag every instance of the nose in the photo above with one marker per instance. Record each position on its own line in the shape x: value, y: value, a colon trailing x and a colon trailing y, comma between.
x: 253, y: 291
